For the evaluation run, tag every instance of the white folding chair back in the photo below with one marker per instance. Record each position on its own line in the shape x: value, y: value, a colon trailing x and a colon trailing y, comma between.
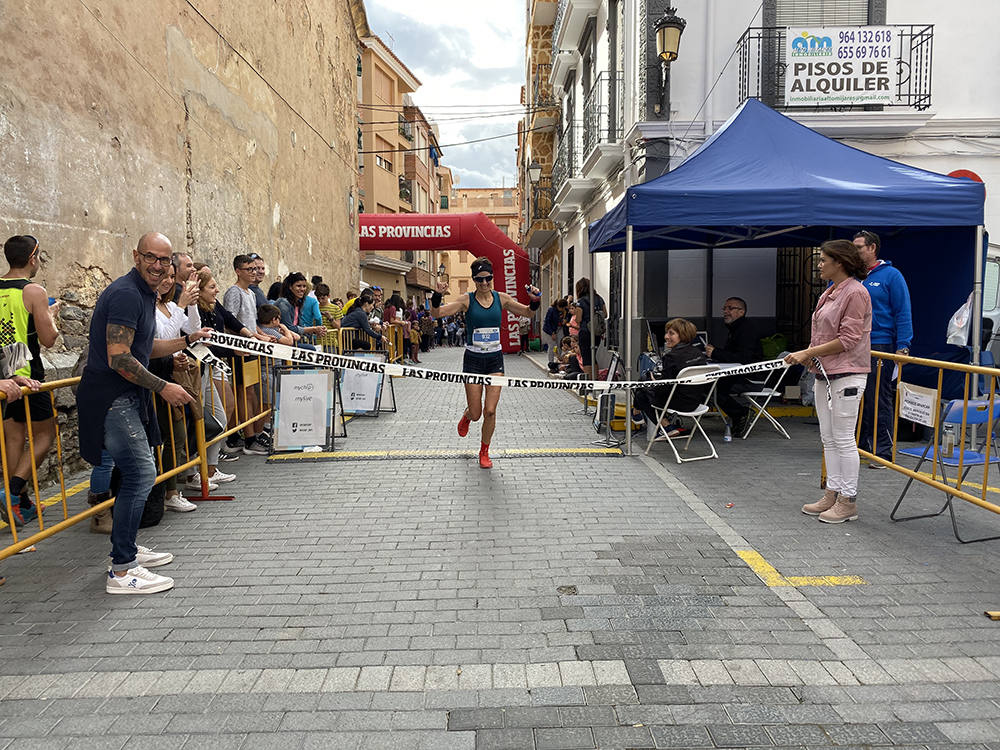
x: 659, y: 431
x: 760, y: 398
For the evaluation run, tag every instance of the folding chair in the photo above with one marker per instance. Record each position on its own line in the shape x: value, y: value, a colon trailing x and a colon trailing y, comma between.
x: 978, y: 413
x: 659, y: 431
x: 760, y: 398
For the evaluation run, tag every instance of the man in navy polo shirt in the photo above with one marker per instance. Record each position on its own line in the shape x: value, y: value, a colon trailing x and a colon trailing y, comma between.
x: 115, y: 406
x: 892, y: 331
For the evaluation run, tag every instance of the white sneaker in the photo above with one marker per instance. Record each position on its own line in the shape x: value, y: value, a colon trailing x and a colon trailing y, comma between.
x: 179, y: 504
x: 194, y: 483
x: 148, y: 558
x: 137, y: 580
x: 220, y: 476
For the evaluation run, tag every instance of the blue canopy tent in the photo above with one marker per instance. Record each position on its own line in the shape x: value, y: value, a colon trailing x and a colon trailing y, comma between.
x: 764, y: 180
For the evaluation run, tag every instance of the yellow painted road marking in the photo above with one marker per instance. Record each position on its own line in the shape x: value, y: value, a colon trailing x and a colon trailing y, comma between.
x: 445, y: 453
x: 49, y: 501
x: 771, y: 577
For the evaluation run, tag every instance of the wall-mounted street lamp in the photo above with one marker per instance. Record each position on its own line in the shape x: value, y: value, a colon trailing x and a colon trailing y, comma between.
x: 534, y: 172
x: 669, y: 29
x: 441, y: 270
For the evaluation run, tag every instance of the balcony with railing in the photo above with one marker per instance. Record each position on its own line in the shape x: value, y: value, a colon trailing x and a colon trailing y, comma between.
x: 539, y: 228
x: 571, y: 17
x: 543, y: 12
x: 406, y: 190
x: 405, y: 128
x: 544, y: 105
x: 761, y: 53
x: 570, y: 186
x: 603, y: 123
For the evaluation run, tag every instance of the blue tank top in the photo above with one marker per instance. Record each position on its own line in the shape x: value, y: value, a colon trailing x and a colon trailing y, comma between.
x: 482, y: 326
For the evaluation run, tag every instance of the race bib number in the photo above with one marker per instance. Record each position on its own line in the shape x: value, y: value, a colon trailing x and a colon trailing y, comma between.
x: 485, y: 340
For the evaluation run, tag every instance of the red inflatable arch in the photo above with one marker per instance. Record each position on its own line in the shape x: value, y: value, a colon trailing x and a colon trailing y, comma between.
x: 472, y: 232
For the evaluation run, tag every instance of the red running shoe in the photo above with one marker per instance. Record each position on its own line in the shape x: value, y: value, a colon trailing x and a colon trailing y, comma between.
x: 484, y: 460
x: 463, y: 425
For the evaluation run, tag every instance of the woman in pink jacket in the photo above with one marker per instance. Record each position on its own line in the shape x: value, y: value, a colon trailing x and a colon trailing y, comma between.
x: 840, y: 353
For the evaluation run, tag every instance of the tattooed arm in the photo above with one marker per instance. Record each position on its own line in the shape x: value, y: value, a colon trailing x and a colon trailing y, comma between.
x: 121, y: 360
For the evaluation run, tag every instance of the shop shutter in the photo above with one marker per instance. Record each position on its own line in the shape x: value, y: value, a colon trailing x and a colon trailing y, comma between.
x: 823, y: 12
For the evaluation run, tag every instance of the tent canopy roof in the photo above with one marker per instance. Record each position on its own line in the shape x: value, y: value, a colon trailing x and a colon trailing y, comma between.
x: 763, y: 174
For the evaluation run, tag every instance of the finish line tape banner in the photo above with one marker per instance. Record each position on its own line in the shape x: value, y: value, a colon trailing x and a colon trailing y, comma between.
x: 324, y: 359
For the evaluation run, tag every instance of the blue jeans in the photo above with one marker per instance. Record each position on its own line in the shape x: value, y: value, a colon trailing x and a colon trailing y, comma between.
x: 100, y: 476
x: 126, y: 442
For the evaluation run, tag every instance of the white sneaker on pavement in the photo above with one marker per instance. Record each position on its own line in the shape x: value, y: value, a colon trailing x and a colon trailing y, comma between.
x: 179, y: 503
x: 220, y: 476
x: 194, y: 483
x: 147, y: 558
x: 137, y: 580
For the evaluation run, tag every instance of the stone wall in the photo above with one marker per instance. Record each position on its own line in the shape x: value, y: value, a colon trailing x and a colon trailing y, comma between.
x: 230, y: 127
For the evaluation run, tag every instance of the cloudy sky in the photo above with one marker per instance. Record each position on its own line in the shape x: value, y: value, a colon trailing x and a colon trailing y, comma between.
x: 469, y: 58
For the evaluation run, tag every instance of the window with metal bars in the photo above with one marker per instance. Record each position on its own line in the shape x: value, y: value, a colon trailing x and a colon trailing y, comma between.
x: 822, y: 12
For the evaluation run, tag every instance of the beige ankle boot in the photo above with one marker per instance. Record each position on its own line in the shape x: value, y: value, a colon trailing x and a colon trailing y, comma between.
x: 100, y: 523
x: 825, y: 503
x: 845, y: 509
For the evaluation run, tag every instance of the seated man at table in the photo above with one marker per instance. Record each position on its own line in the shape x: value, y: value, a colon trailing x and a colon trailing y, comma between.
x: 742, y: 347
x: 681, y: 352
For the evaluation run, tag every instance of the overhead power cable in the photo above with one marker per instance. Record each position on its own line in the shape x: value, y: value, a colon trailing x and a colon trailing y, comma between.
x: 453, y: 145
x: 328, y: 141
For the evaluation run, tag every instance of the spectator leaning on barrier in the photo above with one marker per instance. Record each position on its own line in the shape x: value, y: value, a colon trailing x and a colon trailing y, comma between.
x: 217, y: 317
x: 26, y: 317
x: 296, y: 308
x: 242, y: 303
x: 11, y: 388
x: 172, y: 320
x: 357, y: 318
x: 327, y: 310
x: 840, y: 342
x: 259, y: 271
x: 892, y: 331
x: 184, y: 265
x: 114, y: 406
x: 742, y: 347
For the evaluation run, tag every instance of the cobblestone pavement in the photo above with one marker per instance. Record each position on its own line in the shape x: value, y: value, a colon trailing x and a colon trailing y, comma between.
x: 553, y: 602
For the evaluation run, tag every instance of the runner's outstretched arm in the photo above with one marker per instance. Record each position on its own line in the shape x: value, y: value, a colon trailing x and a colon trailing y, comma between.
x: 459, y: 305
x: 509, y: 303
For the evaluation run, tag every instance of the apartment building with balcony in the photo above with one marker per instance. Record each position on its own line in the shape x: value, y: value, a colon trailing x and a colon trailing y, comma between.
x: 399, y: 165
x: 626, y: 118
x: 502, y: 206
x: 536, y: 153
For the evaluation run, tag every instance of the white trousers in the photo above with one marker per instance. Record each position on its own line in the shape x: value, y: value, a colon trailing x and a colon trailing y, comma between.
x: 838, y: 420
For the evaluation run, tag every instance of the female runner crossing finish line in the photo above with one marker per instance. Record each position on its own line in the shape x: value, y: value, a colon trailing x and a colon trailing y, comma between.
x: 483, y: 351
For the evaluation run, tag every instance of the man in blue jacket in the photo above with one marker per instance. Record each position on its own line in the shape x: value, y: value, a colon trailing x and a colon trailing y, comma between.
x: 892, y: 331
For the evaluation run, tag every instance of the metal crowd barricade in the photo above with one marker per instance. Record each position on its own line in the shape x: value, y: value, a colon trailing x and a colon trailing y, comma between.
x: 352, y: 339
x: 399, y: 342
x: 961, y: 487
x: 185, y: 447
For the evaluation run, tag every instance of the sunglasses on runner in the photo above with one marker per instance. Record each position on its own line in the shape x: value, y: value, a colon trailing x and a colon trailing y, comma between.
x: 483, y: 279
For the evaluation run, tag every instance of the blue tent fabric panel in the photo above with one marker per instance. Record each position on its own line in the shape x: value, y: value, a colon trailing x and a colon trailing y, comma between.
x: 764, y: 170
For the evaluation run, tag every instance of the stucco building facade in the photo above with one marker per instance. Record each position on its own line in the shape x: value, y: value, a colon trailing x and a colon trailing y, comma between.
x: 230, y: 129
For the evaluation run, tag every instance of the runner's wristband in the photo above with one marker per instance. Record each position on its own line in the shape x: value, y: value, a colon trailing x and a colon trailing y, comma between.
x: 534, y: 304
x: 436, y: 299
